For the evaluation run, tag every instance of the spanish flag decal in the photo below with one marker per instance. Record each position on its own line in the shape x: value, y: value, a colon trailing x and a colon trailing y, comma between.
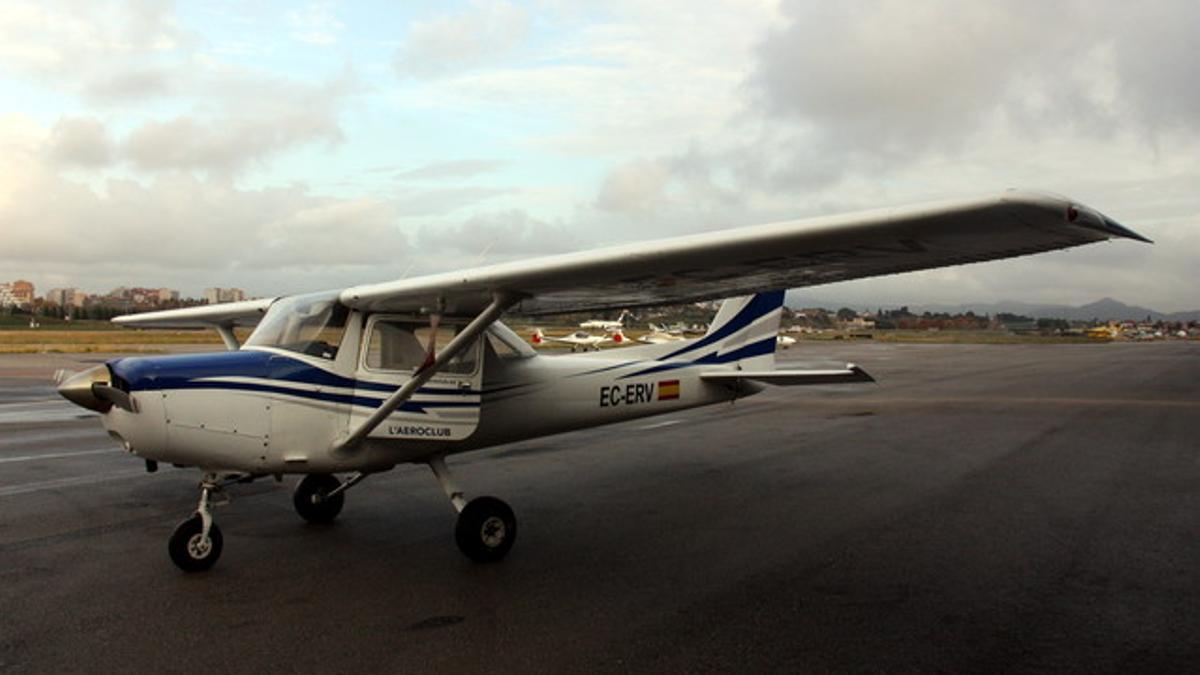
x: 668, y: 390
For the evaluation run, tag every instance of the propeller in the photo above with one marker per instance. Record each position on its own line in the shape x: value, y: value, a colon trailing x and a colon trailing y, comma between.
x: 92, y: 389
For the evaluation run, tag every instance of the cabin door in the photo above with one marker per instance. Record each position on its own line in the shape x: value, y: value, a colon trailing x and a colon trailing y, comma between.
x: 446, y: 408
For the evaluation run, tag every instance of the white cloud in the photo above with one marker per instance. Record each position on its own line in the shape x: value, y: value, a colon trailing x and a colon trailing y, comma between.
x: 461, y: 168
x: 81, y: 141
x: 491, y: 237
x: 63, y: 38
x: 448, y: 42
x: 226, y: 143
x: 891, y: 79
x: 638, y: 187
x: 316, y: 23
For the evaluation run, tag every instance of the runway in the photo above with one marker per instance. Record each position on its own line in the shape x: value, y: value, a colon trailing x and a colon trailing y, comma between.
x: 985, y: 508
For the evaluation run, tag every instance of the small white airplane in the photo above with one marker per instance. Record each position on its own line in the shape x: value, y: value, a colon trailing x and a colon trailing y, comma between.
x: 579, y: 340
x: 785, y: 341
x: 659, y: 335
x: 606, y: 325
x: 356, y: 381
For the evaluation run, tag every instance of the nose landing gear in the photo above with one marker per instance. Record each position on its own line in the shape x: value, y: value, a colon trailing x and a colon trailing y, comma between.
x: 196, y: 543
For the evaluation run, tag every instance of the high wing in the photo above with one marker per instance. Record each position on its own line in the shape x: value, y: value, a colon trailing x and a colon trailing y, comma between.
x: 722, y: 264
x: 745, y: 260
x: 224, y: 315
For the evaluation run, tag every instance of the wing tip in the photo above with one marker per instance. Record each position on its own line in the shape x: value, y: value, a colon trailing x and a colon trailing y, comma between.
x: 1121, y: 231
x: 860, y: 374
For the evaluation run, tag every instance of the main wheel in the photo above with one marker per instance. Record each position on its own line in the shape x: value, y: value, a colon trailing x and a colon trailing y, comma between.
x: 190, y: 550
x: 486, y: 529
x: 310, y: 500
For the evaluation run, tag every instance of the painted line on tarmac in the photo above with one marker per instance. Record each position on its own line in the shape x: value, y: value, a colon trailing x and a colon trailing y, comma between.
x: 43, y: 436
x: 25, y: 403
x: 42, y: 412
x: 57, y: 455
x: 78, y: 481
x: 659, y: 425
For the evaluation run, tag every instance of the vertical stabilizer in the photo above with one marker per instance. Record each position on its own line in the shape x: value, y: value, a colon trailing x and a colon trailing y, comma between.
x: 743, y: 332
x: 746, y: 328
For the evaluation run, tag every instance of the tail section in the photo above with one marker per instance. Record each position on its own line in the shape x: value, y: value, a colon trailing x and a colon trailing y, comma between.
x: 746, y: 329
x: 743, y: 333
x: 537, y: 337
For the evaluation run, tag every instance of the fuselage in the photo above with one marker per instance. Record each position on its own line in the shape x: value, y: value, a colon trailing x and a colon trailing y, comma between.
x: 270, y: 410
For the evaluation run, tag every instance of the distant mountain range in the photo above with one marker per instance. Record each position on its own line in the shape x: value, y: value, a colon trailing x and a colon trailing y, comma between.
x: 1104, y: 309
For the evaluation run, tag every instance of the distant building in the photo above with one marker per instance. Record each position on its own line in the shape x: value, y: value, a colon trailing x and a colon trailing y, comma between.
x: 862, y: 322
x: 143, y: 297
x: 66, y: 297
x: 214, y: 296
x: 17, y: 293
x: 166, y: 295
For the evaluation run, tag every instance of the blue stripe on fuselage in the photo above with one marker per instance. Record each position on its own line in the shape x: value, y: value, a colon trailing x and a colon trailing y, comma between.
x: 201, y: 371
x: 760, y: 348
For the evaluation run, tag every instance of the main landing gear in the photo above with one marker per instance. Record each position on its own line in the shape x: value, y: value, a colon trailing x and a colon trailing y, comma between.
x: 486, y: 527
x: 319, y: 496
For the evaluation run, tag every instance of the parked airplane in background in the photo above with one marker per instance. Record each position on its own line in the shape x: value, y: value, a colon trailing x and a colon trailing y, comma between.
x: 606, y: 325
x: 785, y: 341
x: 1103, y: 332
x: 356, y: 381
x: 659, y: 335
x: 580, y: 340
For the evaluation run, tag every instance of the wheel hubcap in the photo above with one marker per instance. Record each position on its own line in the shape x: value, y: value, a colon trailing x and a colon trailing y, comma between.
x: 199, y: 546
x: 493, y: 531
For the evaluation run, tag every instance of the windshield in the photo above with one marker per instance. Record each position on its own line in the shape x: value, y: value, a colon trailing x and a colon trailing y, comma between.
x: 308, y: 324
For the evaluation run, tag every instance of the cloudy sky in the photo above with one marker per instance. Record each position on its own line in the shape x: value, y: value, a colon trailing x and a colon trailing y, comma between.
x: 291, y: 147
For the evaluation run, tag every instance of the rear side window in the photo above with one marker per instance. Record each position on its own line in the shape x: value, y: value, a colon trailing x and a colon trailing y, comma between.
x: 401, y: 345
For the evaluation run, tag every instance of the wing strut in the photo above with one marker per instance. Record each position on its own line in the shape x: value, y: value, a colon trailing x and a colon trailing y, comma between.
x: 501, y: 301
x: 225, y: 330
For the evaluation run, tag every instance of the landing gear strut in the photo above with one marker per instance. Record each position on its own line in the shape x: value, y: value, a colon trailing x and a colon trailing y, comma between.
x: 196, y: 543
x: 486, y: 527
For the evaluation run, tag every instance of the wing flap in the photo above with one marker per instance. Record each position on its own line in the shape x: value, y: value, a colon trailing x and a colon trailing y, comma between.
x: 790, y: 378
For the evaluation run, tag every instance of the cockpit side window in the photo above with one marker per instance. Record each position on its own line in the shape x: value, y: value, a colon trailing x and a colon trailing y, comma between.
x: 307, y: 324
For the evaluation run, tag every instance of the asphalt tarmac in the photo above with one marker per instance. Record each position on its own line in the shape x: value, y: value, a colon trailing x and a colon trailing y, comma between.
x: 982, y: 508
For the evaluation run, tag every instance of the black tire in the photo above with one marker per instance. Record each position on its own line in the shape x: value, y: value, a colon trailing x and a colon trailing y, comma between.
x: 189, y: 552
x: 310, y: 500
x: 486, y: 529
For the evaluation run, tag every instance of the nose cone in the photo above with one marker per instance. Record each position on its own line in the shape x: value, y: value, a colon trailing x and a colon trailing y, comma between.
x: 78, y: 388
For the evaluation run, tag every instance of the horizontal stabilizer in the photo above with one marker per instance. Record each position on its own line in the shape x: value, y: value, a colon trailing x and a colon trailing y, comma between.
x: 851, y: 373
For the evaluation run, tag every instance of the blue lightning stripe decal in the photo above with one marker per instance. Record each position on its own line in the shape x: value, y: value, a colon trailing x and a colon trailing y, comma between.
x: 760, y: 348
x: 760, y: 306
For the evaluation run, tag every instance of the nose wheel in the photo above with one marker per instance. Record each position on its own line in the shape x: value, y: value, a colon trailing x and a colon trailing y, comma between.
x: 192, y: 549
x: 196, y: 543
x: 486, y: 527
